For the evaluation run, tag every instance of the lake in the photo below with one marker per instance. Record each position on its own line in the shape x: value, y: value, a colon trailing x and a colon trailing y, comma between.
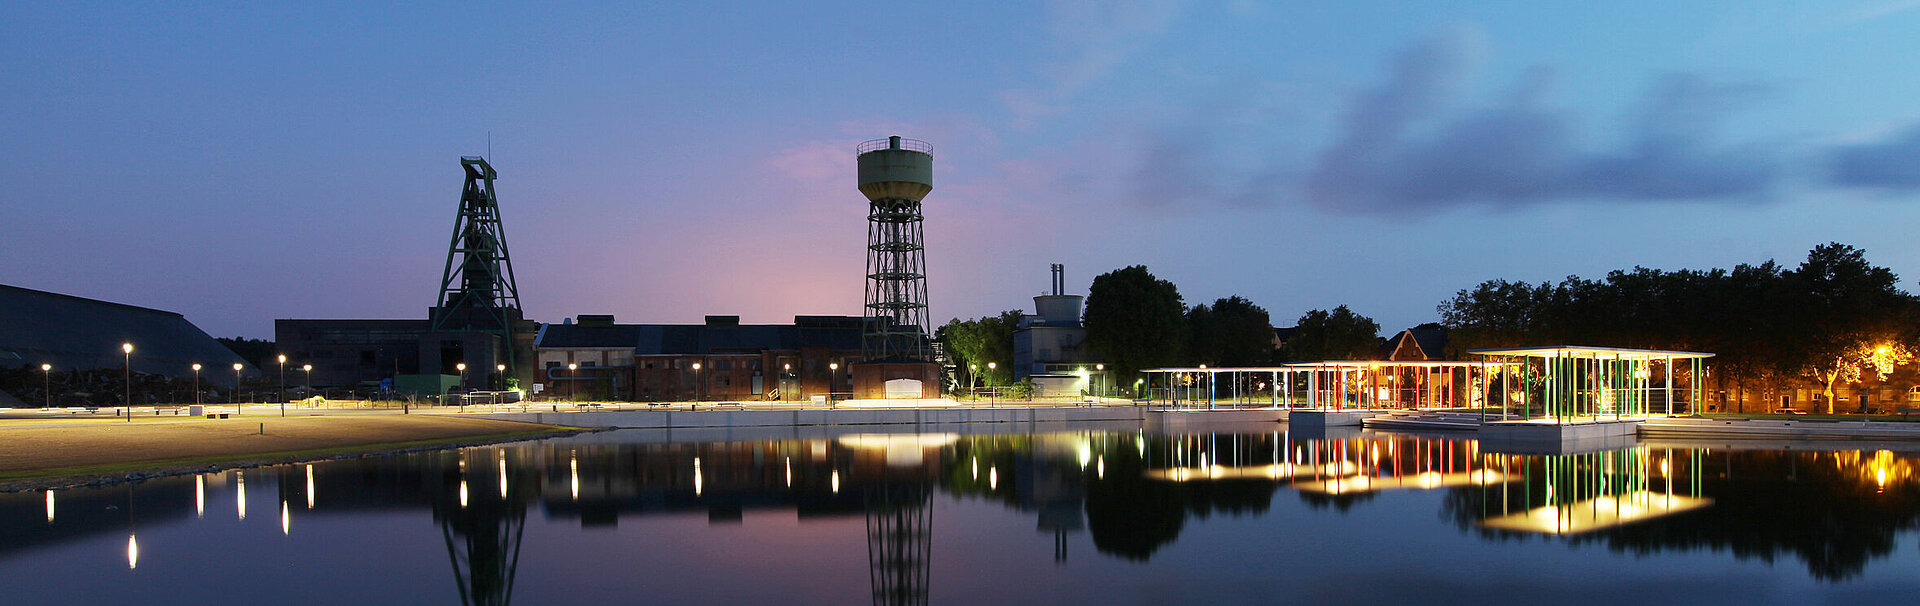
x: 1246, y: 514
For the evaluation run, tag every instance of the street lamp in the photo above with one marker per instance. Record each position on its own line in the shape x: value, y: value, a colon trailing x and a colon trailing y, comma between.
x: 502, y: 370
x: 283, y: 385
x: 990, y: 367
x: 833, y: 379
x: 46, y: 383
x: 1102, y: 370
x: 570, y: 368
x: 127, y: 348
x: 196, y: 384
x: 696, y: 382
x: 309, y: 383
x: 236, y: 388
x: 786, y: 373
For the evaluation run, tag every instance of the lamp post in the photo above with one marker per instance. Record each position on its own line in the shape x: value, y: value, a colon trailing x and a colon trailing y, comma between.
x: 283, y: 385
x: 973, y: 380
x: 501, y: 369
x: 462, y: 369
x: 786, y: 372
x: 833, y: 380
x: 696, y: 382
x: 570, y: 368
x: 236, y: 387
x: 1102, y: 370
x: 309, y: 383
x: 46, y: 383
x: 196, y: 384
x: 127, y: 348
x: 990, y: 367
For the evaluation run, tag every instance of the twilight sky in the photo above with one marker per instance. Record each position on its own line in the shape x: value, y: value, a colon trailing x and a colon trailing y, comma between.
x: 244, y: 162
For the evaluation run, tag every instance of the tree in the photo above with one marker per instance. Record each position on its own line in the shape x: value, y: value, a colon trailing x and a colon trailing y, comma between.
x: 1847, y: 315
x: 1135, y: 321
x: 1232, y: 332
x: 1337, y: 335
x: 979, y: 342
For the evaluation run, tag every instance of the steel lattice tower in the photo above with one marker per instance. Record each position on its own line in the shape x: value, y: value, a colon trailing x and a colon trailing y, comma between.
x: 895, y: 174
x: 477, y: 290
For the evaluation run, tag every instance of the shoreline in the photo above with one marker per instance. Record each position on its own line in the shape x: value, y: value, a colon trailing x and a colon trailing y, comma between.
x: 41, y: 457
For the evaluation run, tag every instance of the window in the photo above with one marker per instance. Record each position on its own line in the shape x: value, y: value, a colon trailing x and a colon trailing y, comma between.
x: 723, y: 364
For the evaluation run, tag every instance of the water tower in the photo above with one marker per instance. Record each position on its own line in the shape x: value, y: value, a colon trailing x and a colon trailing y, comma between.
x: 895, y: 174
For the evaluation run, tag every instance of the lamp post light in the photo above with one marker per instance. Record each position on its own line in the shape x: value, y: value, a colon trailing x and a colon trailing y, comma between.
x: 833, y: 380
x: 127, y: 348
x: 196, y: 384
x: 570, y: 368
x: 786, y: 373
x: 309, y: 384
x: 990, y: 367
x: 973, y: 380
x: 1102, y: 370
x: 236, y: 388
x: 283, y: 385
x: 696, y: 382
x: 501, y: 369
x: 46, y: 383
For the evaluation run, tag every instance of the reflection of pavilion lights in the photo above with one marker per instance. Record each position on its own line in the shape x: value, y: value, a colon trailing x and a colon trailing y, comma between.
x: 993, y: 478
x: 1665, y: 468
x: 240, y: 494
x: 1100, y: 467
x: 573, y: 476
x: 309, y: 486
x: 696, y: 476
x: 836, y: 481
x: 49, y: 507
x: 463, y: 494
x: 1085, y: 453
x: 286, y: 519
x: 133, y: 551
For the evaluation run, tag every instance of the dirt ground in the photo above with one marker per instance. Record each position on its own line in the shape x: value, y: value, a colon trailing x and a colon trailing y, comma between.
x: 37, y: 454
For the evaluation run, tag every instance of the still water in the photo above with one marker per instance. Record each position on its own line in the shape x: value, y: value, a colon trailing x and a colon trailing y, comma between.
x: 1089, y: 516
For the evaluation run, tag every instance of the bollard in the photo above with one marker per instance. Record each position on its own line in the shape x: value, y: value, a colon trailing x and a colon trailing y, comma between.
x: 263, y: 429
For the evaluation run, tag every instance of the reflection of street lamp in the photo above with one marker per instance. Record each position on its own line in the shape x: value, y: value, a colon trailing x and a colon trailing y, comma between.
x: 196, y: 383
x: 127, y: 348
x: 46, y: 383
x: 236, y: 388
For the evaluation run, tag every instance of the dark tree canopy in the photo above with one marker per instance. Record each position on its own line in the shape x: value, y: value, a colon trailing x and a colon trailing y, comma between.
x: 1336, y: 335
x: 1134, y: 321
x: 979, y: 342
x: 1231, y: 332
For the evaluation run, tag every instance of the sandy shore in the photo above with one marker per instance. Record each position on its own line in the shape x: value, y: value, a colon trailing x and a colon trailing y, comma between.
x: 43, y: 455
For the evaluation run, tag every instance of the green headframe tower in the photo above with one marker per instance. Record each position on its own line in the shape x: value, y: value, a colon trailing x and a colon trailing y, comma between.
x: 478, y: 314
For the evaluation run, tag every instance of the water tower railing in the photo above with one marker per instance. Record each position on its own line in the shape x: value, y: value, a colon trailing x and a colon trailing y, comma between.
x: 906, y: 144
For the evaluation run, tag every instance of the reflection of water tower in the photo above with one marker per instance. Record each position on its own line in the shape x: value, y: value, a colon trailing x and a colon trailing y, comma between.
x: 895, y: 174
x: 899, y: 543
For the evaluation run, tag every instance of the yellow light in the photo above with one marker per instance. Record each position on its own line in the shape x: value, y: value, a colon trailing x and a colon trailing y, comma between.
x: 237, y: 366
x: 788, y: 462
x: 309, y: 486
x: 49, y: 507
x: 1100, y: 467
x: 199, y: 496
x: 49, y: 367
x: 126, y: 347
x: 196, y: 367
x: 462, y: 367
x: 836, y: 481
x: 240, y: 494
x: 1666, y: 467
x: 696, y: 366
x: 573, y: 476
x: 974, y: 463
x: 1086, y: 454
x: 283, y: 358
x: 133, y: 551
x: 503, y: 479
x: 500, y: 367
x: 463, y: 494
x: 306, y: 367
x: 696, y: 476
x: 286, y: 519
x: 993, y: 478
x: 833, y: 366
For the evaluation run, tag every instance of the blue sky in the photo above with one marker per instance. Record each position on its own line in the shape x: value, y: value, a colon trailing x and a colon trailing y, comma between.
x: 244, y: 162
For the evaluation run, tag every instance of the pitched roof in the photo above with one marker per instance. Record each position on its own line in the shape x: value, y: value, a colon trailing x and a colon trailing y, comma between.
x: 69, y: 332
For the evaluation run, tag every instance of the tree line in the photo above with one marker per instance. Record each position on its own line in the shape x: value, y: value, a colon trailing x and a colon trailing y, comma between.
x: 1833, y: 320
x: 1135, y: 320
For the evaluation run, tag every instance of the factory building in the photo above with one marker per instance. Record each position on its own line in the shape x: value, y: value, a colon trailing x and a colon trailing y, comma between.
x: 720, y: 359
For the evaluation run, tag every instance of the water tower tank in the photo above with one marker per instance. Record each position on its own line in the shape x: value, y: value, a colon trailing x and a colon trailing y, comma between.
x: 896, y: 168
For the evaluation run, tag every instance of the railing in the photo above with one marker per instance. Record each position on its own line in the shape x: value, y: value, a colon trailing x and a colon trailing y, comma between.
x: 906, y: 144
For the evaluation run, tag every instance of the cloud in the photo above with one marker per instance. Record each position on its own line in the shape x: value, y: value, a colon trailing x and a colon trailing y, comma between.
x: 1893, y: 163
x: 1404, y: 148
x: 1098, y: 37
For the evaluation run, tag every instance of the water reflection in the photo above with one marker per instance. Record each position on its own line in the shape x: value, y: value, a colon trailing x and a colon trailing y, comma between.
x: 1131, y: 494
